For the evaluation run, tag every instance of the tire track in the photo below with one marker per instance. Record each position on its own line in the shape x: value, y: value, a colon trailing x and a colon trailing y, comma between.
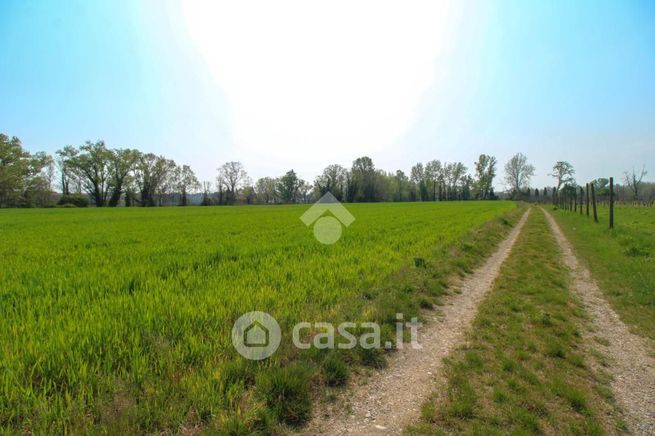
x: 391, y: 399
x: 631, y: 364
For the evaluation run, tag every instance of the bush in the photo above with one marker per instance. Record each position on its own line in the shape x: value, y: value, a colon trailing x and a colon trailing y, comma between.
x: 286, y: 392
x: 77, y: 200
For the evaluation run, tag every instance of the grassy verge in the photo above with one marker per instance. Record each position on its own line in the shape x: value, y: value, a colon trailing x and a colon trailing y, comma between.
x: 523, y: 369
x: 622, y: 260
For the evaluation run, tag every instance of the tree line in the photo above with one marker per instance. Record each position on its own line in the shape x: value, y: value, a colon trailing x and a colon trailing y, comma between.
x: 109, y: 177
x: 633, y: 188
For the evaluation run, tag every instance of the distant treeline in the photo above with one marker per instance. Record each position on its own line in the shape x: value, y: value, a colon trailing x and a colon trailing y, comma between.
x: 95, y: 174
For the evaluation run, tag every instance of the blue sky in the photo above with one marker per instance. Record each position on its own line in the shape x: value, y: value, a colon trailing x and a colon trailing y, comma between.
x: 298, y: 84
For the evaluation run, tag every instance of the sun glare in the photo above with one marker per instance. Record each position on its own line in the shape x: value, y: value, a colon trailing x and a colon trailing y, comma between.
x: 303, y: 75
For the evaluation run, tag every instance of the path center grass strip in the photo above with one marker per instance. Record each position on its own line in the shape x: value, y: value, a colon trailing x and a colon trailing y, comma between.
x: 523, y: 369
x: 119, y: 320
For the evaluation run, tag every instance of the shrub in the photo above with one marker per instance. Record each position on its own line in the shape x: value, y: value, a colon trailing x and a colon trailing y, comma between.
x: 77, y: 200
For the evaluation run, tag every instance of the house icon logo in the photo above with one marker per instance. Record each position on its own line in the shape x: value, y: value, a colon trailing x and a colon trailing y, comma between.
x: 327, y: 228
x: 256, y: 335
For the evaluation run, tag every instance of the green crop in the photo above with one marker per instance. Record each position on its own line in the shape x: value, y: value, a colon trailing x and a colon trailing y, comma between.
x: 120, y: 319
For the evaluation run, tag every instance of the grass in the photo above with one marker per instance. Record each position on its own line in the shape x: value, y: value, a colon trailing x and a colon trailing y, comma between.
x: 622, y: 260
x: 523, y: 369
x: 118, y: 321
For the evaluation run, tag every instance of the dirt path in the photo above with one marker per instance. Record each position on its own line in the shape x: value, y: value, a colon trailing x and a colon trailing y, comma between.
x: 631, y: 364
x: 391, y: 399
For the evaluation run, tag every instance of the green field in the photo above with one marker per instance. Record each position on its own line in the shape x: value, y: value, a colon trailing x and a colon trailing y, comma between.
x: 119, y: 319
x: 621, y: 260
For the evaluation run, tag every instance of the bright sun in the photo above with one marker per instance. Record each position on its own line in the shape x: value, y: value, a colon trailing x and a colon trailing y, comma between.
x: 303, y: 76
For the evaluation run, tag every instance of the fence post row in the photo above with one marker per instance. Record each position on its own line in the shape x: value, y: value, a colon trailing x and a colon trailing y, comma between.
x: 568, y: 199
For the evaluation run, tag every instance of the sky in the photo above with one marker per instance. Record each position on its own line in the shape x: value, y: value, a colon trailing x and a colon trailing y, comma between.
x: 302, y: 84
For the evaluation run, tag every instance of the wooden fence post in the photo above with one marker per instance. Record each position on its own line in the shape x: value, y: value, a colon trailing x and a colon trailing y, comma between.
x: 593, y: 202
x: 611, y: 202
x: 564, y: 199
x: 581, y: 199
x: 587, y: 193
x: 561, y: 197
x: 570, y: 202
x: 554, y: 198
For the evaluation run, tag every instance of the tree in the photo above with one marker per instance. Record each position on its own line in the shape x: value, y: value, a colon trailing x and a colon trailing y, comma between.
x: 304, y: 190
x: 333, y: 180
x: 287, y: 187
x: 153, y: 175
x: 465, y: 190
x: 454, y: 174
x: 485, y: 171
x: 122, y: 163
x: 401, y: 181
x: 351, y: 187
x: 38, y: 183
x: 103, y: 173
x: 418, y: 179
x: 266, y: 189
x: 385, y: 187
x: 518, y: 173
x: 248, y: 192
x: 25, y: 179
x: 230, y: 175
x: 68, y: 176
x: 206, y: 199
x: 433, y: 177
x: 363, y: 179
x: 91, y: 164
x: 185, y: 182
x: 563, y: 172
x: 633, y: 180
x: 14, y: 163
x: 601, y: 186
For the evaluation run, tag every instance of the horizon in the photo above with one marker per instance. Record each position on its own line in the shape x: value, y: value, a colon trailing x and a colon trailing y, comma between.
x: 205, y: 83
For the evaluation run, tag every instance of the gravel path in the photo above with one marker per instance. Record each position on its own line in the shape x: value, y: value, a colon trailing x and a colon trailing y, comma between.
x: 391, y: 399
x: 631, y: 364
